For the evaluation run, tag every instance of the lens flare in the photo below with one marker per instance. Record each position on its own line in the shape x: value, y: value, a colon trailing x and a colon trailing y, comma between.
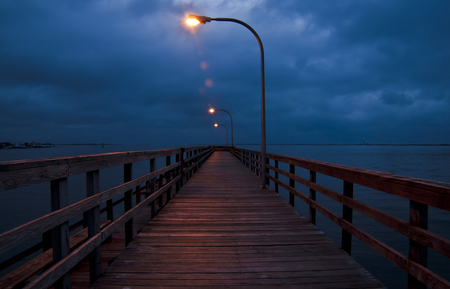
x: 203, y: 65
x: 209, y: 83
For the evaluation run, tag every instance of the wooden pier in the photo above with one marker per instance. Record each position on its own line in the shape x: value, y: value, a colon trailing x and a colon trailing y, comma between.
x: 221, y: 230
x: 202, y: 221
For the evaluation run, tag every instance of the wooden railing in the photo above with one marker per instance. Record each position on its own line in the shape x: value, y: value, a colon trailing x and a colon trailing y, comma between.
x: 421, y: 193
x: 68, y: 250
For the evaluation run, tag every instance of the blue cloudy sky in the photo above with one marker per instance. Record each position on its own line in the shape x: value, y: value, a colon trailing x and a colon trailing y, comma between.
x: 130, y: 71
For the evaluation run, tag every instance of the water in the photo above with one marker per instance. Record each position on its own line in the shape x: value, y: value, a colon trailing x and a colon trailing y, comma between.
x: 428, y: 162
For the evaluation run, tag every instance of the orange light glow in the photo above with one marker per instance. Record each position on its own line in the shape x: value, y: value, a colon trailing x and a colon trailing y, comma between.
x: 192, y: 22
x: 203, y: 65
x: 211, y: 110
x: 216, y: 125
x: 209, y: 82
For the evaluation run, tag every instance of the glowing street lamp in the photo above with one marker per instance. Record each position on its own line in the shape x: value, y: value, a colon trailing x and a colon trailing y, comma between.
x: 212, y: 110
x: 194, y: 20
x: 217, y: 125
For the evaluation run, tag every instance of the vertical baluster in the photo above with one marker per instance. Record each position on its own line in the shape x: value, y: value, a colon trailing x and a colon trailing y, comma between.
x: 347, y: 214
x: 177, y: 172
x: 60, y: 234
x: 267, y: 171
x: 168, y: 196
x: 418, y: 216
x: 291, y: 184
x: 47, y: 240
x: 152, y: 187
x: 194, y: 161
x: 181, y: 167
x: 258, y: 165
x: 276, y: 177
x: 160, y: 199
x: 93, y: 224
x: 252, y: 162
x: 138, y: 194
x: 312, y: 196
x: 190, y: 164
x: 127, y: 176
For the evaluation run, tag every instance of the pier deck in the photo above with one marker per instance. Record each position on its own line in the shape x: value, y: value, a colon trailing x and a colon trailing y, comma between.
x: 222, y: 231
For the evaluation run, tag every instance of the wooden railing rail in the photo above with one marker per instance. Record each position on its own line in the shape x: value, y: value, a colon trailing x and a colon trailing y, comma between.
x: 421, y: 193
x: 152, y: 186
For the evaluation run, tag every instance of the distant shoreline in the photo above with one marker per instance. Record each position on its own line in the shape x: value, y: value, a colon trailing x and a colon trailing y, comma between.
x: 46, y: 145
x: 316, y: 144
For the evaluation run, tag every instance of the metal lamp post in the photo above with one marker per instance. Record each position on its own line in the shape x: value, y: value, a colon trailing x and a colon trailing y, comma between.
x: 212, y: 110
x: 217, y: 125
x: 193, y: 20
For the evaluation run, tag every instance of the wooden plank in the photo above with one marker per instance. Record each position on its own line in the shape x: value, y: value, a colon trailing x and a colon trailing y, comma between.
x: 221, y: 230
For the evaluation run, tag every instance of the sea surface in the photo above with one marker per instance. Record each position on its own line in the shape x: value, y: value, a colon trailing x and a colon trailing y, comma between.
x: 21, y: 205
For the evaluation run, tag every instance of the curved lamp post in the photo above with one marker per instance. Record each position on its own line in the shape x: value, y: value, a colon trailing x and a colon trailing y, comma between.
x: 193, y: 20
x: 212, y: 110
x: 217, y: 125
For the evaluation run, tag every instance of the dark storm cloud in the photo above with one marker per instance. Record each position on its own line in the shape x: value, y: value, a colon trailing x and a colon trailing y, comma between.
x: 128, y: 71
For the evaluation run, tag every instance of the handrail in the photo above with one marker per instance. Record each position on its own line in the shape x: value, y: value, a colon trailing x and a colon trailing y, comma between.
x: 15, y: 174
x: 421, y: 193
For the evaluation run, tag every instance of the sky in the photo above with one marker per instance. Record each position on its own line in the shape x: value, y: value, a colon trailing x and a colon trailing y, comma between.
x: 132, y: 72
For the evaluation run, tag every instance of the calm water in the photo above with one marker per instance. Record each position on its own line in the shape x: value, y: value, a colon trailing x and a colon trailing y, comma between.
x: 429, y: 162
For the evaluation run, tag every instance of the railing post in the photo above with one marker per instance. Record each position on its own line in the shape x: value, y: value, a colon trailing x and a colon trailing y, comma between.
x: 177, y: 170
x: 418, y: 216
x: 160, y: 198
x: 195, y: 161
x: 168, y: 179
x: 276, y: 177
x: 127, y: 176
x: 152, y: 187
x: 347, y: 214
x: 267, y: 171
x: 93, y: 224
x: 138, y: 194
x: 291, y: 184
x: 258, y: 165
x: 181, y: 167
x: 252, y: 160
x: 191, y: 153
x: 47, y: 240
x: 60, y: 234
x: 312, y: 196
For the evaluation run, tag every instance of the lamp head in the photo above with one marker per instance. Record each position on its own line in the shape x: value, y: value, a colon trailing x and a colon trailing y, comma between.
x: 211, y: 110
x: 194, y: 20
x: 216, y: 125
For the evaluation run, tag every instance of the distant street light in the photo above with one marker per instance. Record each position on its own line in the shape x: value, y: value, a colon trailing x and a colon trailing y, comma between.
x: 194, y: 20
x: 212, y: 110
x: 217, y: 125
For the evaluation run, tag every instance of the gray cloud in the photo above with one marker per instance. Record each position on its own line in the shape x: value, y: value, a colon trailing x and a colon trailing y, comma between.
x: 128, y: 71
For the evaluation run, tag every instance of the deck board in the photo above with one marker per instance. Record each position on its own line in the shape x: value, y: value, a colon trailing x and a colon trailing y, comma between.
x: 222, y: 231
